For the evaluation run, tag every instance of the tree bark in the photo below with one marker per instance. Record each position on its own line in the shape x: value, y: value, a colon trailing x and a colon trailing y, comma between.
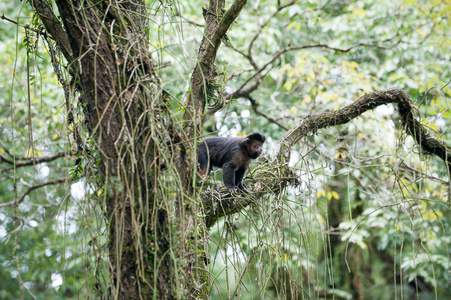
x: 154, y: 251
x: 121, y: 96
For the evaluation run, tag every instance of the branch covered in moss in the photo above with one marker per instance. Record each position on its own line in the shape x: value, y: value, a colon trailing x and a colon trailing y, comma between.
x: 367, y: 102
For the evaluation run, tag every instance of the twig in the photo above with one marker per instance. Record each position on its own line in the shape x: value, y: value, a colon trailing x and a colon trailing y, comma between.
x: 258, y: 112
x: 43, y: 33
x: 258, y: 74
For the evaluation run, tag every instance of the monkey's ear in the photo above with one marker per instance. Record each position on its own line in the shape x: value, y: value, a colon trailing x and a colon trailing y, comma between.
x: 247, y: 141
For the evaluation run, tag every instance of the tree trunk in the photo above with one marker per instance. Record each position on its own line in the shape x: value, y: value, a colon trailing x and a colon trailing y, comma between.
x: 151, y: 253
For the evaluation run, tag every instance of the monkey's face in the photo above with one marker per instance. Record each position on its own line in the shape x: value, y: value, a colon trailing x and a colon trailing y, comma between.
x: 255, y: 149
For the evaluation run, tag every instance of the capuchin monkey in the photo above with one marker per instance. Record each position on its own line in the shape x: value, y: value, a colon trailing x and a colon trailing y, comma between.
x: 233, y: 155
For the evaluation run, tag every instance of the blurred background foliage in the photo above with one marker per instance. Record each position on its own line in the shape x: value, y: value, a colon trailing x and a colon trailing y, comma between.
x: 371, y: 217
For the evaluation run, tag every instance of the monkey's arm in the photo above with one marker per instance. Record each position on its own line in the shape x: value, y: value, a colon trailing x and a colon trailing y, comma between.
x: 239, y: 175
x: 228, y: 177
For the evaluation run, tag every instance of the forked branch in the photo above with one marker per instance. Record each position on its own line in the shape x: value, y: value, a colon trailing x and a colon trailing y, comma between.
x: 215, y: 29
x: 32, y: 188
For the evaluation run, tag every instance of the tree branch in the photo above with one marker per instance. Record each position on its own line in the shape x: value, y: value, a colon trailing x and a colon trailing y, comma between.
x: 53, y: 26
x: 215, y: 29
x: 230, y: 16
x: 258, y: 76
x: 255, y: 106
x: 32, y: 161
x: 368, y: 102
x: 260, y: 29
x: 43, y: 33
x: 32, y: 189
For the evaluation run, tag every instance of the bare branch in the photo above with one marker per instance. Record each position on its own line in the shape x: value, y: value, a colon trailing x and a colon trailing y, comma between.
x: 258, y: 76
x: 43, y: 33
x: 258, y: 112
x: 260, y: 29
x: 56, y: 181
x: 421, y: 174
x: 33, y: 161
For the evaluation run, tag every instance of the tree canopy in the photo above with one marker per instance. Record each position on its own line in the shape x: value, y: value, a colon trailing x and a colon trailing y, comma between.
x: 102, y: 108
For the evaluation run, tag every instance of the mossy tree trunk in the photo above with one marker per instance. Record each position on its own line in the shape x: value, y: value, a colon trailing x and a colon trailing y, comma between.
x: 151, y: 253
x: 141, y: 158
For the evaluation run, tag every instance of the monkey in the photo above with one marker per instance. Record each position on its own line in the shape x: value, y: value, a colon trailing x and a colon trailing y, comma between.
x: 233, y: 155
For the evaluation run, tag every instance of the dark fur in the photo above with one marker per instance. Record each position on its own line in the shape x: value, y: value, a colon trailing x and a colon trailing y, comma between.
x: 231, y: 154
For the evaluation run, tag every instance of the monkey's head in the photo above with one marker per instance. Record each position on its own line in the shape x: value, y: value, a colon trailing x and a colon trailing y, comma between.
x: 254, y: 143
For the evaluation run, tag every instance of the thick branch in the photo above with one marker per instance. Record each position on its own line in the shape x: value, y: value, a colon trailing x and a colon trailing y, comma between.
x: 222, y: 204
x: 53, y: 26
x: 266, y: 179
x: 230, y: 16
x: 367, y: 102
x: 215, y: 29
